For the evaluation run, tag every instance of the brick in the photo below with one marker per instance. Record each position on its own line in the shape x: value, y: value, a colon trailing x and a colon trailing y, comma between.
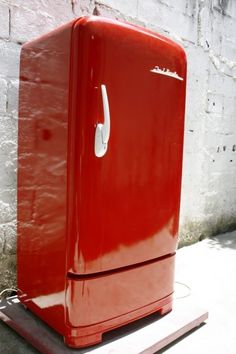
x: 210, y: 29
x: 204, y: 26
x: 228, y: 49
x: 197, y: 83
x: 2, y: 238
x: 193, y: 140
x: 210, y: 203
x: 8, y: 195
x: 182, y: 6
x: 229, y: 86
x: 229, y: 27
x: 3, y: 95
x: 214, y: 123
x: 28, y: 23
x: 168, y: 19
x: 214, y: 103
x: 221, y: 79
x: 230, y: 107
x: 8, y: 172
x: 152, y: 12
x: 216, y: 82
x: 191, y: 7
x: 225, y: 7
x: 8, y: 147
x: 105, y: 11
x: 60, y: 10
x: 191, y: 200
x: 8, y: 129
x: 6, y: 213
x: 217, y: 31
x: 12, y: 97
x: 4, y: 21
x: 83, y: 7
x: 128, y: 8
x: 9, y: 59
x: 10, y: 239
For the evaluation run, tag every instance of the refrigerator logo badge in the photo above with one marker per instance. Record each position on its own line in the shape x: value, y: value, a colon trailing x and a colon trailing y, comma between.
x: 166, y: 72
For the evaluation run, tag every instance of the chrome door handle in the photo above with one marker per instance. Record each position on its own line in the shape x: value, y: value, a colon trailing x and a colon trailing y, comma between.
x: 102, y: 132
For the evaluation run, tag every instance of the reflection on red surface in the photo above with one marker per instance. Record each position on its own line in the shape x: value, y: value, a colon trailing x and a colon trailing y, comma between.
x: 85, y: 215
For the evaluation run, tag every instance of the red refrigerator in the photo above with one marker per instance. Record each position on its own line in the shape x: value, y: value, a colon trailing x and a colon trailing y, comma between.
x: 101, y: 122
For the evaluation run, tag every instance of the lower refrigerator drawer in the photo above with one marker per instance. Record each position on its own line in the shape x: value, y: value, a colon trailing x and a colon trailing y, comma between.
x: 130, y: 293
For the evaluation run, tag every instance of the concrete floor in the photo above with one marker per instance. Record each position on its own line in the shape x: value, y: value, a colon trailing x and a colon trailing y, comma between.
x: 205, y: 272
x: 209, y: 269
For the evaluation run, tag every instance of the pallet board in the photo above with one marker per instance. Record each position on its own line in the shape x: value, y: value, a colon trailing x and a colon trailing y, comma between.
x: 145, y: 336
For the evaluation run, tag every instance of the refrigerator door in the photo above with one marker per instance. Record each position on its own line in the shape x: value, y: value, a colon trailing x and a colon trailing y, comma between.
x: 126, y: 142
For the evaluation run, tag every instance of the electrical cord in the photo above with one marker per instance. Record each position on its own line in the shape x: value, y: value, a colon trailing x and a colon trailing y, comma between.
x: 187, y: 287
x: 6, y: 290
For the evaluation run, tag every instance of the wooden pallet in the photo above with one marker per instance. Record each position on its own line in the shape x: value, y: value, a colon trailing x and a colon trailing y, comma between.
x: 145, y: 336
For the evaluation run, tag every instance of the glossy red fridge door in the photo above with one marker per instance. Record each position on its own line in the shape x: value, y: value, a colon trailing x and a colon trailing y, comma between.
x: 124, y: 205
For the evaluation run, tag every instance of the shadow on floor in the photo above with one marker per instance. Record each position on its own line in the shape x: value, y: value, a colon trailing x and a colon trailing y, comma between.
x: 227, y: 240
x: 120, y: 332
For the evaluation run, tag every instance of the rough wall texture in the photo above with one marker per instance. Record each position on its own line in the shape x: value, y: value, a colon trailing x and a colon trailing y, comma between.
x: 207, y: 30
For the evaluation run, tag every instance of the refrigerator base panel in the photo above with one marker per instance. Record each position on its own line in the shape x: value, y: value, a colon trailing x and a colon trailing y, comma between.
x: 76, y: 340
x: 147, y: 335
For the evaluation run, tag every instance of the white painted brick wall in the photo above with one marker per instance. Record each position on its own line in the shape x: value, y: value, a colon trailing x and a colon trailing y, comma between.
x: 4, y: 21
x: 3, y: 95
x: 206, y: 29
